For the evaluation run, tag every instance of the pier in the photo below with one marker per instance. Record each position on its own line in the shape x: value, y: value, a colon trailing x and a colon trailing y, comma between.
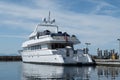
x: 107, y: 58
x: 10, y: 58
x: 108, y: 62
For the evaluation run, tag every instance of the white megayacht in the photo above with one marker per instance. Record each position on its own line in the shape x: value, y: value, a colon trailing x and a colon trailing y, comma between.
x: 48, y: 45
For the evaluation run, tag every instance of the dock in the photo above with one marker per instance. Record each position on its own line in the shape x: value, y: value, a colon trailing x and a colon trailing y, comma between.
x: 10, y: 58
x: 108, y: 62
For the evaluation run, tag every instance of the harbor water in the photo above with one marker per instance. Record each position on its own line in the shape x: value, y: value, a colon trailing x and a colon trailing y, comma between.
x: 26, y: 71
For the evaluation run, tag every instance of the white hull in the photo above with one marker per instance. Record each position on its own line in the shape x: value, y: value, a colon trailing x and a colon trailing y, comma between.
x: 55, y: 57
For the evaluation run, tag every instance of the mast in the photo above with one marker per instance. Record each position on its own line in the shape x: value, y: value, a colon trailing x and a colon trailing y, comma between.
x: 49, y: 17
x: 47, y: 22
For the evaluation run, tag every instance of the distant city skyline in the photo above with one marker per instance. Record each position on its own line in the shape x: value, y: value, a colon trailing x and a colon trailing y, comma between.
x: 92, y: 21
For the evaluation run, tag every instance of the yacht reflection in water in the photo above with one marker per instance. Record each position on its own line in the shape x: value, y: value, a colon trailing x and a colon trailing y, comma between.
x: 49, y: 72
x: 108, y: 72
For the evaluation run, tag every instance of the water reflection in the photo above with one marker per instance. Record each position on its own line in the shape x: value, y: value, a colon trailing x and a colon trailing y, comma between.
x: 108, y: 72
x: 49, y: 72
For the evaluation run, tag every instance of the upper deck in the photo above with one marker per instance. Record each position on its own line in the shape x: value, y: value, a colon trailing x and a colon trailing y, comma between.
x: 48, y: 32
x: 47, y: 37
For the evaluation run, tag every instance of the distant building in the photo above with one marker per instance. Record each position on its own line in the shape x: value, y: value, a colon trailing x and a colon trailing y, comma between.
x: 105, y: 54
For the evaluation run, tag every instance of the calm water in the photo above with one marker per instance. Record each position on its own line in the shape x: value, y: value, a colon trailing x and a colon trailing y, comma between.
x: 25, y: 71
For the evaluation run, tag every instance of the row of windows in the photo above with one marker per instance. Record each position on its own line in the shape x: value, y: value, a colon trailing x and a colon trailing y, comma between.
x: 48, y: 46
x: 33, y: 47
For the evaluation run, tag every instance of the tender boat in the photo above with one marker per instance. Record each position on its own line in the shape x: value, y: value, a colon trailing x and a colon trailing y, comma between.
x: 48, y: 45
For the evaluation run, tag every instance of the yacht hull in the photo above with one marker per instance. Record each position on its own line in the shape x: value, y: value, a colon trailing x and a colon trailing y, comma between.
x: 48, y: 57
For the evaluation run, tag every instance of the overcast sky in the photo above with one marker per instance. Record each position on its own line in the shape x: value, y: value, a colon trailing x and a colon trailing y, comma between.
x: 94, y: 21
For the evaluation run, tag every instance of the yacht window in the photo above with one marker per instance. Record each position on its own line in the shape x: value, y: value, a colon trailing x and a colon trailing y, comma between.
x: 25, y: 48
x: 39, y: 46
x: 32, y: 47
x: 58, y: 45
x: 32, y: 38
x: 44, y: 46
x: 29, y: 48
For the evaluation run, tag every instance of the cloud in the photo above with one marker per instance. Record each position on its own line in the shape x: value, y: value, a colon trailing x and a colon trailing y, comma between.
x: 103, y: 7
x: 13, y: 36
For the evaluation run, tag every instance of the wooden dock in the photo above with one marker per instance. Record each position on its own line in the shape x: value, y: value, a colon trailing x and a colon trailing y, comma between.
x: 10, y: 58
x: 108, y: 62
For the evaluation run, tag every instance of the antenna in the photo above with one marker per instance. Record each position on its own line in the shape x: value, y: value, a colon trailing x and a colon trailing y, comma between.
x: 49, y: 17
x: 48, y: 21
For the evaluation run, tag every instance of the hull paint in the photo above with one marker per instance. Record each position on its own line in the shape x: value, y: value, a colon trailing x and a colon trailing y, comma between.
x: 50, y: 58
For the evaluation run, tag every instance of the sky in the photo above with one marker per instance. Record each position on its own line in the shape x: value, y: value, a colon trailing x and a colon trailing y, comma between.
x: 93, y: 21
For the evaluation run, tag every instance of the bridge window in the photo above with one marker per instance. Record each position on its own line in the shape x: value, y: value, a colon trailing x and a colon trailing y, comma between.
x: 59, y: 45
